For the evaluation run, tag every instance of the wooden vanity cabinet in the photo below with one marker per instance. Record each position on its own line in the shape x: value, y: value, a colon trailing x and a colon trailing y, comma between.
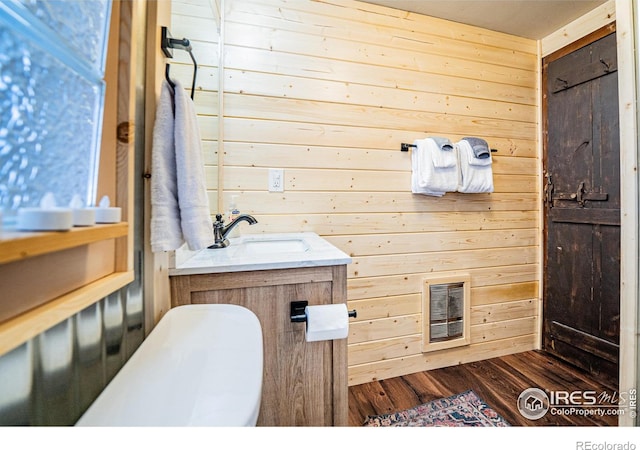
x: 304, y: 383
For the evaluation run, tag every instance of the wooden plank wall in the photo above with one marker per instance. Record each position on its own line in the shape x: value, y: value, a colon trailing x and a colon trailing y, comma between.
x: 198, y: 21
x: 328, y: 90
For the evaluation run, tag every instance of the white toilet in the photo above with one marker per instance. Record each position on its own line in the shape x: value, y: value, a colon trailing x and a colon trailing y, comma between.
x: 200, y: 366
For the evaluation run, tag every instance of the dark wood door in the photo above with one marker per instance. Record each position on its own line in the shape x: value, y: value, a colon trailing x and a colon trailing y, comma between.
x: 582, y: 209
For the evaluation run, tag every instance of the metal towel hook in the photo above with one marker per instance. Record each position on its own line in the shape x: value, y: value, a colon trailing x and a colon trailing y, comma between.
x: 168, y: 44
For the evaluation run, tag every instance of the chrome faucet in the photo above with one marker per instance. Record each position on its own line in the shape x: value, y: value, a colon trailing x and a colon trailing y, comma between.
x: 220, y: 231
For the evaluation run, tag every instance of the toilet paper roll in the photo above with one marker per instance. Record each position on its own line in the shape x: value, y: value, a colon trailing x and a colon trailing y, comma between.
x: 325, y: 322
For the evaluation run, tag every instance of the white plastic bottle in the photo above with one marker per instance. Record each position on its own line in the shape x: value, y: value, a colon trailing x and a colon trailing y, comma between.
x: 233, y: 214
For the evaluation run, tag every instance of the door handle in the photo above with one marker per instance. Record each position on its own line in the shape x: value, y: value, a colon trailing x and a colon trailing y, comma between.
x: 581, y: 196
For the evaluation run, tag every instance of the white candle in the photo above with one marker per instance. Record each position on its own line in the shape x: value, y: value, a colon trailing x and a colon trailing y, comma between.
x: 106, y: 213
x: 47, y: 217
x: 82, y: 217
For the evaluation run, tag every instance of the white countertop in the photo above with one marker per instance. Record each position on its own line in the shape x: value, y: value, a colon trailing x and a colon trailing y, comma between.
x: 262, y: 252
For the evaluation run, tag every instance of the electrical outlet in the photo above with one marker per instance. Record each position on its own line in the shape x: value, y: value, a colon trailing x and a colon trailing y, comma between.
x: 276, y: 180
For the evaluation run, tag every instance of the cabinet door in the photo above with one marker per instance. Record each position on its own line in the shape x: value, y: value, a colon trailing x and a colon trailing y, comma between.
x: 297, y: 385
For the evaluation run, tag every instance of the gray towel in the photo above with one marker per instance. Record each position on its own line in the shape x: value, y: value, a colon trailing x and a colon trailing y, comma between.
x: 443, y: 143
x: 479, y: 146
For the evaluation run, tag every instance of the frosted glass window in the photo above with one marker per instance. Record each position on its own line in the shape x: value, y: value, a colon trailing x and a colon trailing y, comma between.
x: 81, y: 24
x: 51, y: 101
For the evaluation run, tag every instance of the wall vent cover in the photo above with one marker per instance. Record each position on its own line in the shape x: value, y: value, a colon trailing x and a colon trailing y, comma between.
x: 445, y: 312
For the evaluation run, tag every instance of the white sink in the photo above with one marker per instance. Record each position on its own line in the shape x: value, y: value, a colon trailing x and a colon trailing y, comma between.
x: 261, y: 252
x: 268, y: 245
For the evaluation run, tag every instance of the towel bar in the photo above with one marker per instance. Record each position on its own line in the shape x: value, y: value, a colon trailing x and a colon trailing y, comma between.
x: 405, y: 147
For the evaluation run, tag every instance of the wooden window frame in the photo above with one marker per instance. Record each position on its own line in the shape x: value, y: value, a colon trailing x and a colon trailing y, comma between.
x: 93, y: 261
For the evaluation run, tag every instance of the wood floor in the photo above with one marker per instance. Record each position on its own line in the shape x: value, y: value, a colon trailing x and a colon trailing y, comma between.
x: 498, y: 381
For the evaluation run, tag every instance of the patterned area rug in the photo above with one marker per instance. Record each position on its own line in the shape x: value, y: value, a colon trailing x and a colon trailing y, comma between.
x: 462, y: 410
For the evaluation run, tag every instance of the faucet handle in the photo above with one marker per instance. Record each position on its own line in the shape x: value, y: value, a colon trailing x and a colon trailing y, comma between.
x: 218, y: 225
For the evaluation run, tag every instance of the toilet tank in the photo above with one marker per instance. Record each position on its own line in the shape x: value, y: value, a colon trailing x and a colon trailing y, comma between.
x: 200, y: 366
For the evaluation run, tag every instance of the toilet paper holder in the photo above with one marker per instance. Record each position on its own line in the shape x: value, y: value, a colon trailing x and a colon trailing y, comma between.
x: 298, y: 314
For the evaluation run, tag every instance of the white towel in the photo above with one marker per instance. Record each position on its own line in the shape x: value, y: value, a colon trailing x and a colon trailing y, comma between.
x: 166, y: 232
x: 446, y: 156
x: 435, y: 171
x: 415, y: 175
x: 179, y: 202
x: 195, y: 216
x: 476, y: 174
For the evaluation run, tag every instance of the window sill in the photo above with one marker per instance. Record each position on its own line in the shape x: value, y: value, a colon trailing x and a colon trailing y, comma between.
x: 19, y: 245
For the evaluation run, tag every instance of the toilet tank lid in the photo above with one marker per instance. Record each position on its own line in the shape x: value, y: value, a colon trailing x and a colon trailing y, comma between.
x: 200, y: 366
